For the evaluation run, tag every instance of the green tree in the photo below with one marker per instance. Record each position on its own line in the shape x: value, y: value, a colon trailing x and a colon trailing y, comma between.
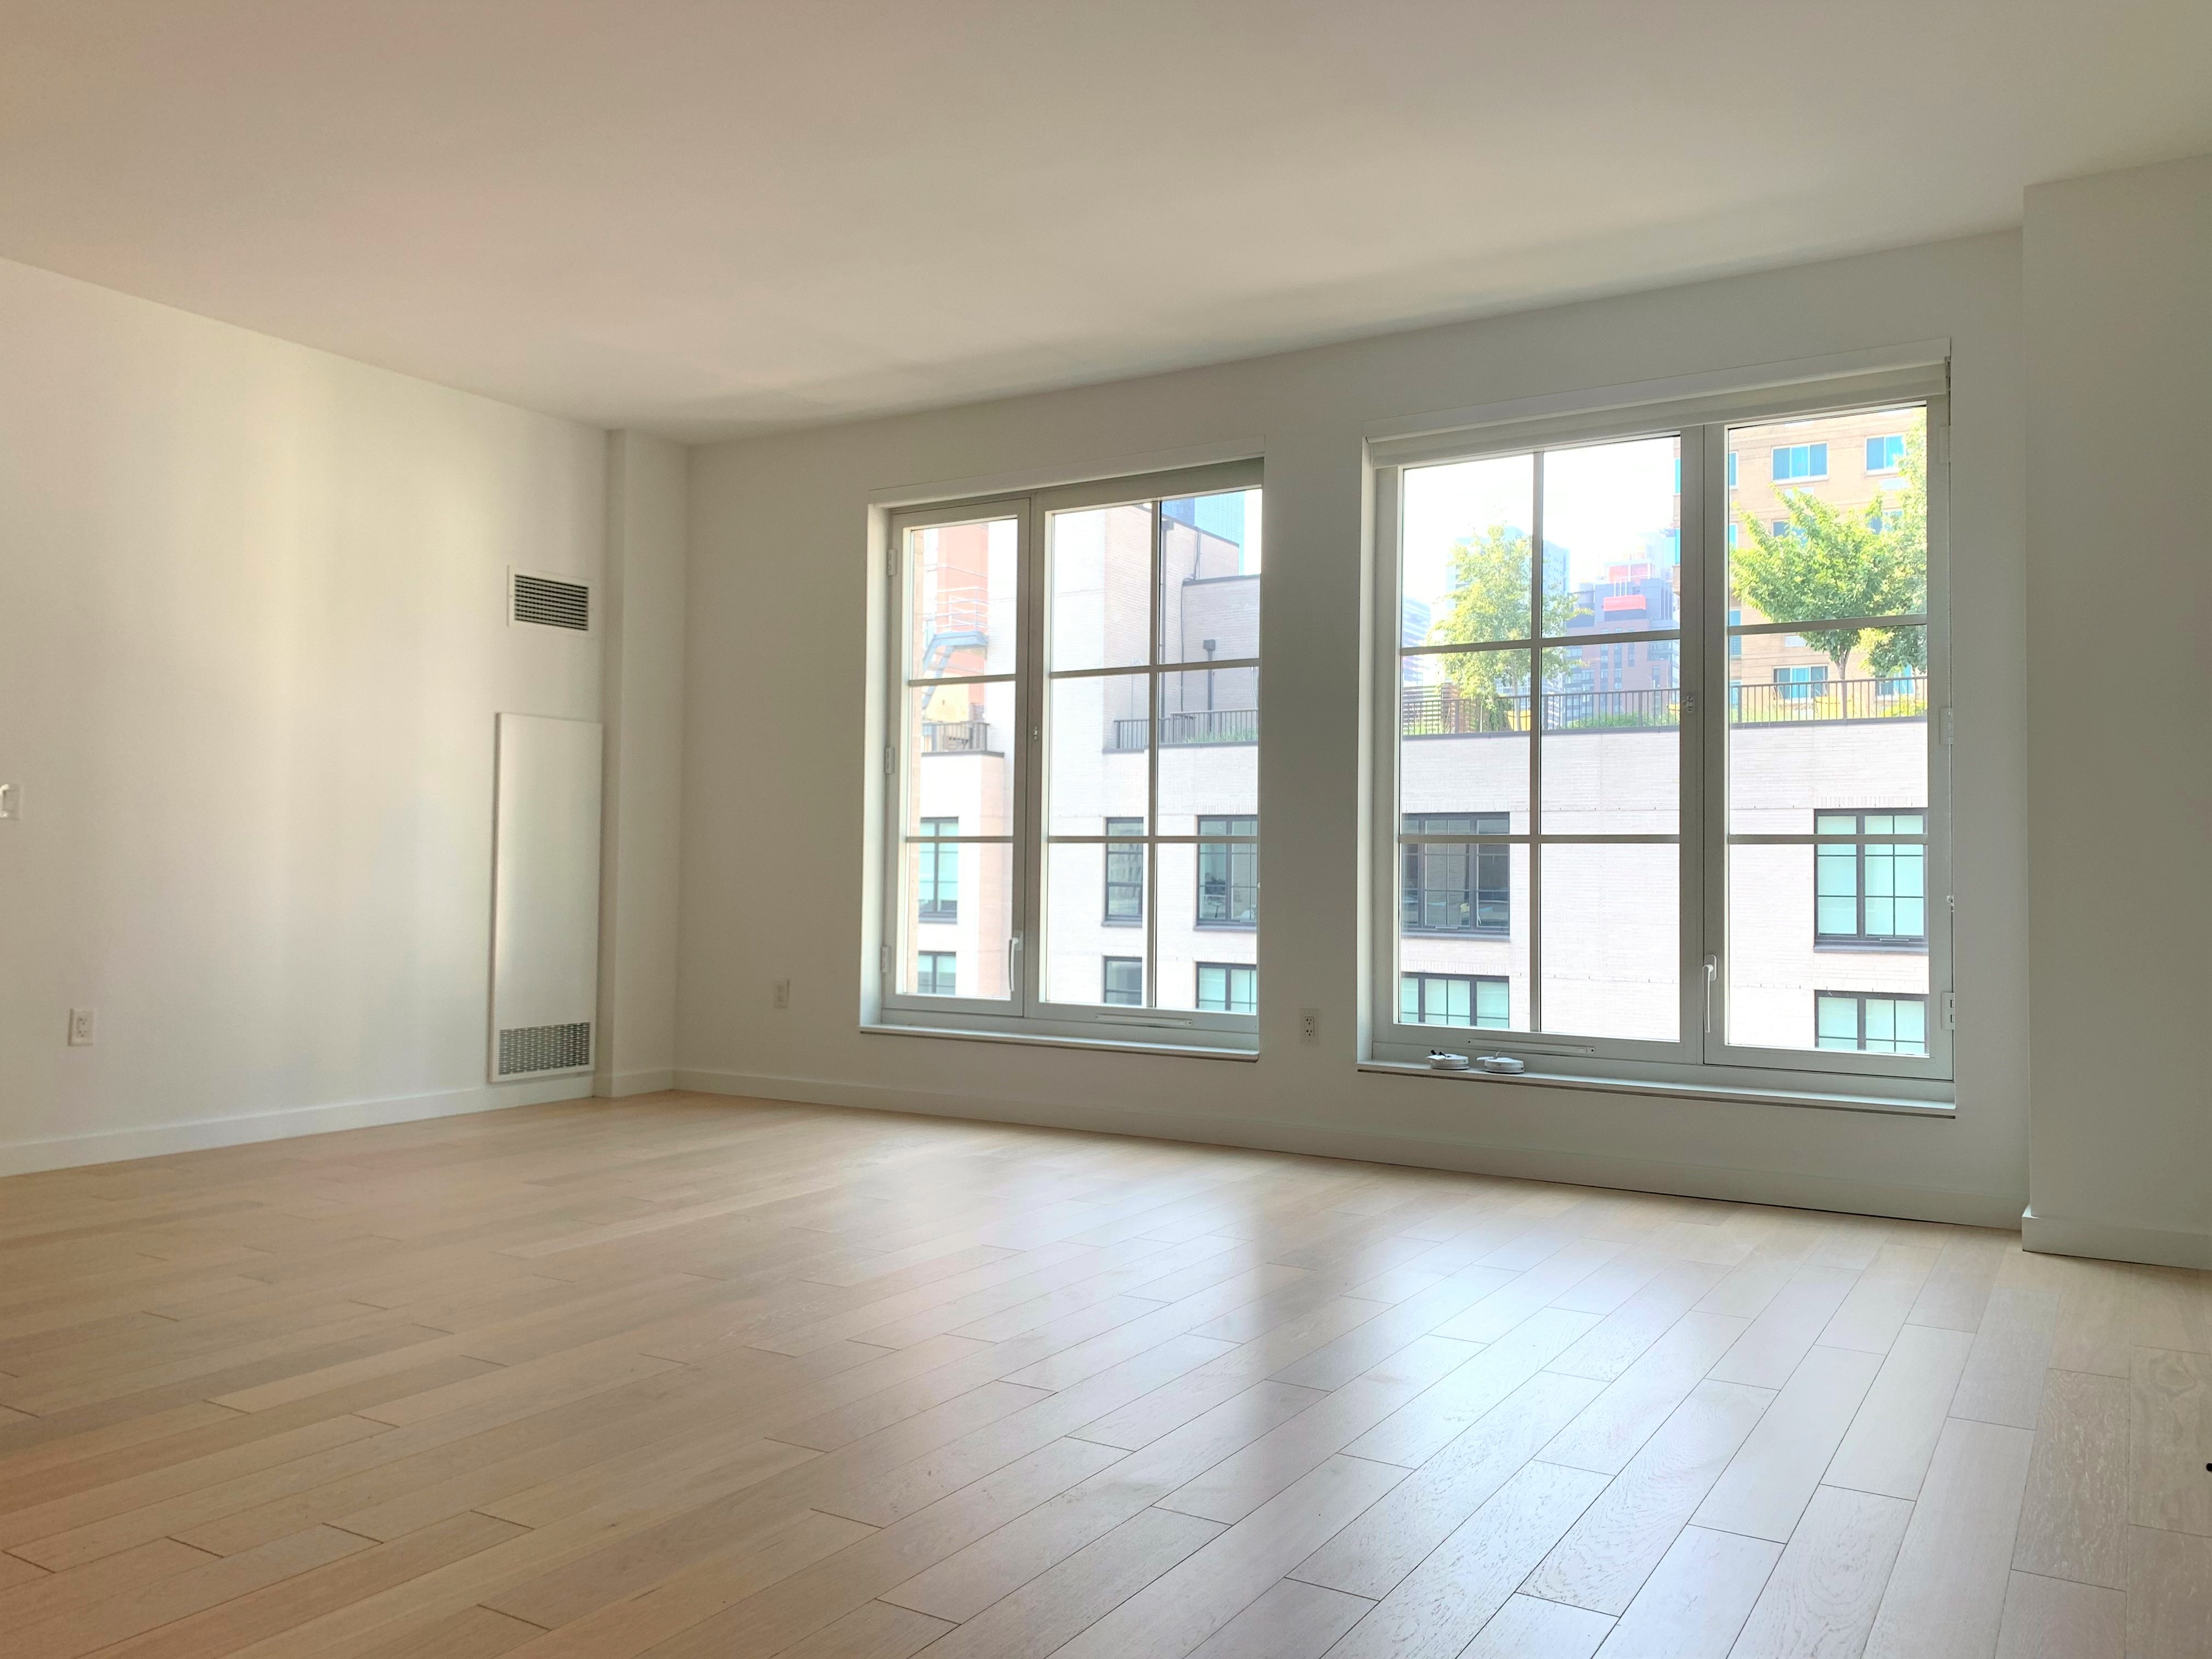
x: 1827, y: 562
x: 1488, y: 600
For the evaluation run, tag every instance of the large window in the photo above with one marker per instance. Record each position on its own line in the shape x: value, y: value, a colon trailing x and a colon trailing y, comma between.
x: 1457, y: 887
x: 1075, y: 730
x: 1695, y: 706
x: 1483, y: 1001
x: 937, y: 871
x: 1870, y: 892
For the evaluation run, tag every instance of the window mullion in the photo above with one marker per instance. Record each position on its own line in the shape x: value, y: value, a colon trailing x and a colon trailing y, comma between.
x: 1536, y: 713
x: 1155, y: 730
x: 1709, y: 963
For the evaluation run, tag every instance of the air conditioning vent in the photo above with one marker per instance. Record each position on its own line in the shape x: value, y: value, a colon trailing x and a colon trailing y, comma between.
x: 549, y: 602
x: 523, y: 1049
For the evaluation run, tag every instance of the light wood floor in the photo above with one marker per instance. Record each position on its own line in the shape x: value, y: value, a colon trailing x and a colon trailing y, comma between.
x: 692, y: 1378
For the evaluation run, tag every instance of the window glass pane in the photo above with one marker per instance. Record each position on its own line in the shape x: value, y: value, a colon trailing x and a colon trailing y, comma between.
x: 1209, y: 747
x: 960, y: 601
x: 1813, y: 541
x: 1079, y: 931
x: 1442, y: 889
x: 957, y: 916
x: 959, y: 763
x: 1612, y: 941
x: 1210, y: 548
x: 1783, y: 963
x: 1227, y: 988
x: 1613, y: 539
x: 1095, y: 767
x: 1809, y: 736
x: 1230, y: 885
x: 1466, y: 556
x: 1612, y: 737
x: 1464, y: 742
x: 1123, y: 981
x: 1124, y: 897
x: 1099, y: 589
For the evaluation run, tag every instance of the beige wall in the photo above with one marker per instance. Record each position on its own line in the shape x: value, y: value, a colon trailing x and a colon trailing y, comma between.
x: 2119, y: 284
x: 252, y: 638
x: 781, y: 585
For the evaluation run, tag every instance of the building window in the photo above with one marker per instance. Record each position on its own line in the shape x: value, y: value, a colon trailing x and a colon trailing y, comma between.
x: 1124, y: 985
x: 1793, y: 462
x: 1871, y: 1024
x: 1456, y: 886
x: 936, y: 974
x: 1870, y: 892
x: 1885, y: 454
x: 1227, y: 873
x: 1228, y: 988
x: 1483, y: 1001
x: 1071, y: 699
x: 1731, y: 469
x: 1657, y: 803
x: 936, y: 874
x: 1125, y: 874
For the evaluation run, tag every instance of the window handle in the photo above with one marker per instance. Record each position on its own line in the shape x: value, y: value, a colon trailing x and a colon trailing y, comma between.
x: 1013, y: 943
x: 1712, y: 978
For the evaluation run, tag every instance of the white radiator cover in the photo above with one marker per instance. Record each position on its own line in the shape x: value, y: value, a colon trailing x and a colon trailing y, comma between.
x: 545, y: 897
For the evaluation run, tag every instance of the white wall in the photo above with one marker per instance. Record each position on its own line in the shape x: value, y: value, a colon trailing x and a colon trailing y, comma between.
x: 647, y: 536
x: 252, y: 638
x: 779, y: 750
x: 2118, y: 286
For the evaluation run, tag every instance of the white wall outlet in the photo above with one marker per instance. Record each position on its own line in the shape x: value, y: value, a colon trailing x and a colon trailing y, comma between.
x: 782, y: 994
x: 1310, y: 1027
x: 80, y: 1028
x: 11, y: 800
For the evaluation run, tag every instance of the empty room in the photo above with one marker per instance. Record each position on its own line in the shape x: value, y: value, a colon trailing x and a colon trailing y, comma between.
x: 651, y: 653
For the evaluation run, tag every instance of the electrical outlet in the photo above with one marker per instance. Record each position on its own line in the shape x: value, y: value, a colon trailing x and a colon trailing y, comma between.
x: 782, y: 994
x: 11, y: 801
x: 80, y: 1028
x: 1310, y: 1027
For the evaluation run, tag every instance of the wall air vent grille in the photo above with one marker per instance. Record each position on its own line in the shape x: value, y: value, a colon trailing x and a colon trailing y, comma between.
x: 552, y: 603
x: 526, y: 1048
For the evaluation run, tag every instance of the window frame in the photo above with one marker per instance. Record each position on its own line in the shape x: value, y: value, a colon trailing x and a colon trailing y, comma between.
x: 1700, y: 1055
x: 1026, y: 1011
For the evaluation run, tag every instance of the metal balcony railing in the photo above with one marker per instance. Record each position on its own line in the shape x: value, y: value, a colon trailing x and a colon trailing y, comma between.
x: 1440, y: 711
x: 1905, y: 696
x: 1188, y: 727
x: 957, y: 738
x: 953, y: 623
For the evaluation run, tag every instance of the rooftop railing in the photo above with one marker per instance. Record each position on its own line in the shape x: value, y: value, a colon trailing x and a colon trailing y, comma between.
x: 1187, y: 727
x: 1445, y: 711
x: 957, y: 738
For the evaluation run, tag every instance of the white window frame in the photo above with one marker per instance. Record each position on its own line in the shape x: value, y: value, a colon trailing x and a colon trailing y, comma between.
x: 1701, y: 1057
x: 1027, y: 1013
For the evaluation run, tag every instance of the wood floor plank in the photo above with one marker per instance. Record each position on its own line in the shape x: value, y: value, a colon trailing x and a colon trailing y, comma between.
x: 2074, y: 1518
x: 1604, y: 1560
x: 2054, y: 1619
x: 1696, y: 1600
x: 1764, y: 1490
x: 1945, y: 1595
x: 1437, y: 1610
x: 1893, y: 1437
x: 693, y: 1377
x: 1820, y: 1600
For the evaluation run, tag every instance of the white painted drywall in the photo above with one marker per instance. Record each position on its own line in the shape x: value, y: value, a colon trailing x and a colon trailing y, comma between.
x: 252, y: 639
x: 779, y: 747
x: 642, y: 608
x: 2118, y: 290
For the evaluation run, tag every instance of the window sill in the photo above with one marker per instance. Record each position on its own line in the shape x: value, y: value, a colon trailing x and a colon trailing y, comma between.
x: 1226, y: 926
x: 1847, y: 947
x: 1042, y: 1040
x: 1831, y: 1102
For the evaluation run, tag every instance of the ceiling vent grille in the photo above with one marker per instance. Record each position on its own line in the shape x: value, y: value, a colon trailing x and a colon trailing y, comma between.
x: 549, y: 602
x: 523, y: 1049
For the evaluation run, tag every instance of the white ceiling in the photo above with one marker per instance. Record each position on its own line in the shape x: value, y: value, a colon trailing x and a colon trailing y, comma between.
x: 709, y: 217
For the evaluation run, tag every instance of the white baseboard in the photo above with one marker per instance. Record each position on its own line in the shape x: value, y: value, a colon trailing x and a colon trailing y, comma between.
x: 2051, y: 1235
x: 1580, y: 1169
x: 162, y: 1140
x: 620, y: 1085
